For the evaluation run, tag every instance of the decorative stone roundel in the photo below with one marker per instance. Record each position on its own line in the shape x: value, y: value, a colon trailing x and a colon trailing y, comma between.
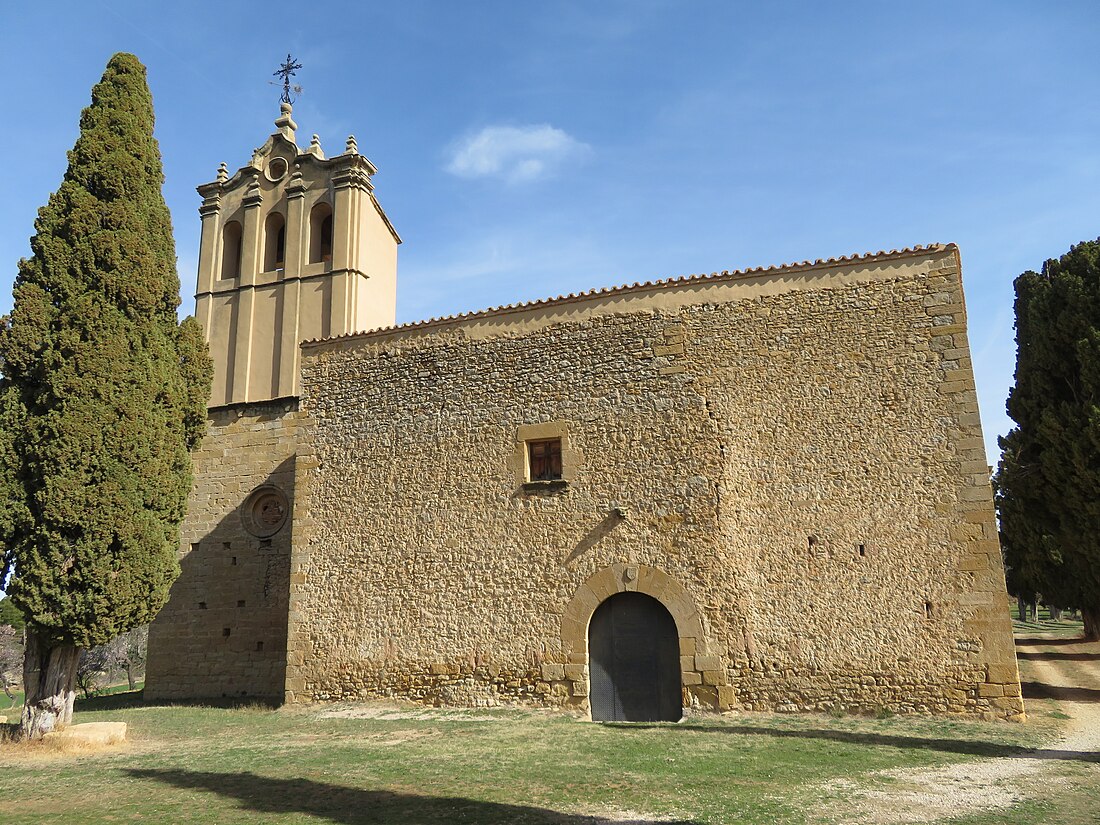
x: 265, y: 511
x: 276, y: 169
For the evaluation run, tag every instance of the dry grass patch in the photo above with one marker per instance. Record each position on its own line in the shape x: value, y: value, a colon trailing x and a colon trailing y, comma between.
x: 384, y: 762
x: 20, y: 752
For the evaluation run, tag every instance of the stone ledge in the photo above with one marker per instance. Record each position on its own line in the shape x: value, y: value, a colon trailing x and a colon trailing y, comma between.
x: 91, y: 733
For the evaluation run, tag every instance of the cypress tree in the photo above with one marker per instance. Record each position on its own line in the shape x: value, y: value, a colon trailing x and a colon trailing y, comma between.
x: 1048, y: 480
x: 103, y: 395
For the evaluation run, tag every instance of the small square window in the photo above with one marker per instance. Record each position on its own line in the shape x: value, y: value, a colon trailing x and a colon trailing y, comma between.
x: 544, y: 460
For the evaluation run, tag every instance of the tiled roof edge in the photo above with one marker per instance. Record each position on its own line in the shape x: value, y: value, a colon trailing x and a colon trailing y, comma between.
x: 662, y: 283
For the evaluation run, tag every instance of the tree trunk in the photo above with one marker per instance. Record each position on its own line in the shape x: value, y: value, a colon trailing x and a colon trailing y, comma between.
x: 1091, y: 617
x: 49, y: 682
x: 130, y: 675
x: 1021, y: 605
x: 1055, y: 614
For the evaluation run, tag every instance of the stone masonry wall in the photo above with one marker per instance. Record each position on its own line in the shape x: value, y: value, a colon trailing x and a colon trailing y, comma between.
x: 223, y: 631
x: 796, y: 473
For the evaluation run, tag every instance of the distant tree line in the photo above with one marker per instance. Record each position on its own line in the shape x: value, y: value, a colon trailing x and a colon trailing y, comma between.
x: 105, y: 665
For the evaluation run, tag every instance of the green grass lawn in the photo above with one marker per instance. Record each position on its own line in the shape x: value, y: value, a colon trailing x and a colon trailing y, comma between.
x: 390, y: 764
x: 294, y: 765
x: 15, y: 709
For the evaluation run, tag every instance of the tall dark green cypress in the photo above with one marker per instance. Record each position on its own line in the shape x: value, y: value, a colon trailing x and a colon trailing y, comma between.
x: 1048, y: 480
x: 102, y: 398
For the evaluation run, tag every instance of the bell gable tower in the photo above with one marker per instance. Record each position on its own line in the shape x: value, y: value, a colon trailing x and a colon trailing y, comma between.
x: 294, y: 246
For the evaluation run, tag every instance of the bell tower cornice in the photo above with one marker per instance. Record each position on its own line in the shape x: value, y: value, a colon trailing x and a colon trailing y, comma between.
x: 349, y: 169
x: 355, y: 175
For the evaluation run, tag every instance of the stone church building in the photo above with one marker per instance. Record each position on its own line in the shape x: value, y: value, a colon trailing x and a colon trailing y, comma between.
x: 763, y: 489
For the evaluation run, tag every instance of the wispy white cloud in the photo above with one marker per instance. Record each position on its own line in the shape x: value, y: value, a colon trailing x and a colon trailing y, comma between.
x: 516, y: 154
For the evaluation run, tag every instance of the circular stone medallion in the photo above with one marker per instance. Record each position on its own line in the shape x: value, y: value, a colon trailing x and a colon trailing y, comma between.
x: 265, y: 511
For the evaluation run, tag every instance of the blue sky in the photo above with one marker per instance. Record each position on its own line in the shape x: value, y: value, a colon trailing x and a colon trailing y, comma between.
x: 533, y: 149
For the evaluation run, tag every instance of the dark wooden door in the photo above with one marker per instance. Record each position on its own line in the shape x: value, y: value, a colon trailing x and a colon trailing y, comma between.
x: 634, y: 661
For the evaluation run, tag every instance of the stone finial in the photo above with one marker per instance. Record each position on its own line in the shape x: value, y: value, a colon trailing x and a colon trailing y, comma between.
x: 257, y: 157
x: 351, y: 147
x: 285, y: 123
x: 315, y: 148
x: 253, y: 196
x: 297, y: 182
x: 223, y: 172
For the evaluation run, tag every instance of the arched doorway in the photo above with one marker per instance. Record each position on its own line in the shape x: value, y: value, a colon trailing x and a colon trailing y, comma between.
x: 634, y: 661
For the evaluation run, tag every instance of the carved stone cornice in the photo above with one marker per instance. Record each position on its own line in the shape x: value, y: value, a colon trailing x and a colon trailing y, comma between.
x: 211, y: 204
x: 354, y: 177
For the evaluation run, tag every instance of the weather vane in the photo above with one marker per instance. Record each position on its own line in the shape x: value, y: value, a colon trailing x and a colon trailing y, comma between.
x: 287, y: 71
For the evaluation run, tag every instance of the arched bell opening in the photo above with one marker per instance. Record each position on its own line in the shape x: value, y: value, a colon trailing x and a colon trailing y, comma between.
x: 274, y: 242
x: 320, y: 234
x: 231, y: 250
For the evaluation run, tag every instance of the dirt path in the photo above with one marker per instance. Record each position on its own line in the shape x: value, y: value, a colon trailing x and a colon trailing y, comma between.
x: 1068, y: 672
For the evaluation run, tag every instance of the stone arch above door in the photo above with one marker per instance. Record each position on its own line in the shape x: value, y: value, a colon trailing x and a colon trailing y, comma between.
x: 703, y: 676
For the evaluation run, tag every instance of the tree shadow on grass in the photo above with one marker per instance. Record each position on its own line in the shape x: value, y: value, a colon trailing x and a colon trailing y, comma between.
x: 357, y: 806
x: 963, y: 746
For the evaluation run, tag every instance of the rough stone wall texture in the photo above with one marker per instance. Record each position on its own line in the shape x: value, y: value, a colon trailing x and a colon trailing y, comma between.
x: 795, y: 469
x: 231, y: 580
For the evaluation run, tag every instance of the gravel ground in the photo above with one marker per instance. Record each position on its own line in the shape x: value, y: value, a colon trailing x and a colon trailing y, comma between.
x: 931, y: 794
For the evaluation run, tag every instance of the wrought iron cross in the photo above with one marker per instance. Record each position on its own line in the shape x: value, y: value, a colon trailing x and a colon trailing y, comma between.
x: 287, y: 71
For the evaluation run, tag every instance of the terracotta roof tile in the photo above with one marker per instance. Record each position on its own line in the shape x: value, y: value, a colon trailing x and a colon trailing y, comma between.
x: 662, y: 283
